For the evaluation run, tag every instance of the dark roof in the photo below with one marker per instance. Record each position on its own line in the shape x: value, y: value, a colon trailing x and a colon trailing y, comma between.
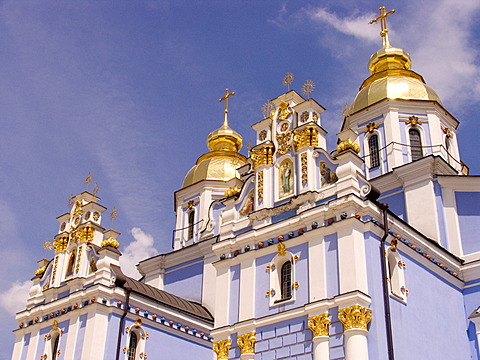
x: 189, y: 307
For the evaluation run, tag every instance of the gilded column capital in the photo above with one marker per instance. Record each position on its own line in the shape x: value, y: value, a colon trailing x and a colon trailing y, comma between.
x: 246, y: 342
x: 221, y: 348
x: 319, y: 325
x: 355, y: 317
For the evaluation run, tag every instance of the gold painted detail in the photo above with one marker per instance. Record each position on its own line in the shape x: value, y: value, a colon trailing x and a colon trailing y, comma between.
x: 262, y: 155
x: 246, y: 343
x: 60, y: 243
x: 233, y: 191
x: 284, y: 144
x: 79, y: 258
x: 447, y: 132
x: 307, y: 136
x: 284, y: 111
x: 40, y: 270
x: 319, y: 325
x: 262, y: 135
x: 355, y: 317
x: 137, y: 323
x: 348, y: 144
x: 55, y: 325
x: 413, y: 120
x: 84, y: 234
x: 260, y: 186
x: 110, y: 242
x: 304, y: 162
x: 282, y: 249
x: 191, y: 204
x: 221, y: 348
x: 371, y: 128
x: 295, y: 285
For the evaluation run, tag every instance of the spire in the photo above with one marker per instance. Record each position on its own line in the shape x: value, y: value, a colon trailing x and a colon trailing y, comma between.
x: 225, y: 111
x: 383, y: 24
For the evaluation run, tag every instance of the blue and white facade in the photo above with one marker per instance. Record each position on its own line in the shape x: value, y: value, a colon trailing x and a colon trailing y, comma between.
x: 293, y: 256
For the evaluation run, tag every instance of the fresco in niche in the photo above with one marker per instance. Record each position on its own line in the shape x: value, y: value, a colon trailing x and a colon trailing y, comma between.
x: 285, y: 178
x: 71, y: 263
x: 247, y: 207
x: 327, y: 176
x: 92, y: 263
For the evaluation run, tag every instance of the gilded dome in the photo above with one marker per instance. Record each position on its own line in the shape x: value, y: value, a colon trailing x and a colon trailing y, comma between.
x: 222, y: 161
x: 391, y: 78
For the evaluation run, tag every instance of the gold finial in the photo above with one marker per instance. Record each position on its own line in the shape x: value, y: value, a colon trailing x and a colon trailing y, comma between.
x: 95, y: 189
x: 383, y: 24
x: 71, y: 200
x: 308, y: 87
x: 47, y: 245
x: 225, y: 98
x: 267, y: 109
x: 345, y: 110
x: 113, y: 215
x: 88, y: 180
x: 249, y: 145
x: 288, y: 79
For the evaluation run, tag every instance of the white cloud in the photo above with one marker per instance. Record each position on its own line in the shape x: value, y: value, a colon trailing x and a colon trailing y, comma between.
x: 139, y: 249
x: 15, y: 298
x: 357, y: 26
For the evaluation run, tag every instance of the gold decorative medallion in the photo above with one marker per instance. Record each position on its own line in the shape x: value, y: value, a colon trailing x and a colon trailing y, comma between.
x: 308, y: 87
x: 319, y: 325
x: 221, y: 348
x: 355, y: 317
x: 288, y: 79
x: 262, y: 135
x: 246, y: 343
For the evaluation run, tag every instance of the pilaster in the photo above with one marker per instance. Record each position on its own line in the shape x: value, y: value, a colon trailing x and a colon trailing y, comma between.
x: 319, y: 325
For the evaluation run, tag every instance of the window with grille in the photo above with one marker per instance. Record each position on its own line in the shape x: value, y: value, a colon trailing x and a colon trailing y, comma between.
x: 132, y: 346
x: 374, y: 151
x: 415, y: 144
x: 286, y: 280
x: 191, y: 222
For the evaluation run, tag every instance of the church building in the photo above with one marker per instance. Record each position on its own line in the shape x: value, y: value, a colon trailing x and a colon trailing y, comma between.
x: 296, y: 251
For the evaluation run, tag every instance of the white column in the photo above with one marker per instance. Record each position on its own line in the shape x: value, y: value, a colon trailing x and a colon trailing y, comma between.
x: 247, y: 288
x: 321, y: 348
x: 355, y: 342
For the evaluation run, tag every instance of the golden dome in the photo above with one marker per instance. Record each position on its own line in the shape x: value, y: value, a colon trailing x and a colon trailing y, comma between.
x: 391, y: 78
x: 222, y: 160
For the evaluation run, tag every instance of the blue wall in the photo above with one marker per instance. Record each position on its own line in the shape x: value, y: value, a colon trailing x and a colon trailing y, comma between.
x: 185, y: 280
x: 468, y: 210
x: 234, y: 294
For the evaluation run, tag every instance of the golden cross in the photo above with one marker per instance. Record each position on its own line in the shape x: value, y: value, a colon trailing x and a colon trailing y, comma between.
x: 225, y: 98
x: 383, y: 24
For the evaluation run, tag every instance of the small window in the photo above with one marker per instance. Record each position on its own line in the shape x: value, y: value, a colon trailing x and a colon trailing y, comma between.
x: 55, y: 347
x: 286, y: 280
x: 132, y: 346
x: 374, y: 151
x: 415, y: 144
x: 191, y: 222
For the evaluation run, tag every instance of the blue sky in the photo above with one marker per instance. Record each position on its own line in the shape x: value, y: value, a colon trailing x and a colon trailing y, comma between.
x: 128, y: 90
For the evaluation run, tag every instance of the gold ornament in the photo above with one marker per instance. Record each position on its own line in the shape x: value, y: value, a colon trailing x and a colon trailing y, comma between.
x: 233, y: 191
x: 282, y: 249
x: 288, y: 79
x: 413, y: 120
x: 246, y: 343
x: 308, y: 87
x: 225, y: 98
x: 447, y: 132
x: 77, y: 211
x: 221, y: 348
x: 345, y: 110
x: 262, y: 155
x: 110, y: 242
x: 191, y: 204
x: 138, y: 323
x: 260, y: 186
x: 304, y: 162
x: 55, y: 325
x: 47, y: 245
x: 307, y: 136
x: 60, y: 243
x: 355, y: 317
x: 319, y: 325
x: 371, y: 128
x: 284, y: 144
x: 88, y: 179
x: 95, y: 189
x: 284, y: 111
x: 348, y: 144
x: 40, y: 270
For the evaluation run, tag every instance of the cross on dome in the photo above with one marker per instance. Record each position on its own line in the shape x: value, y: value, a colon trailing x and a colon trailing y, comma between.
x: 225, y: 98
x: 383, y: 24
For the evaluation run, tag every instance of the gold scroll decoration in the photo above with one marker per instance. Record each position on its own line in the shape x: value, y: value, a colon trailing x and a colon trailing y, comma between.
x: 284, y: 111
x: 355, y: 317
x: 262, y: 154
x: 246, y: 343
x: 319, y: 325
x: 308, y: 136
x: 221, y: 348
x: 348, y: 144
x: 260, y: 186
x: 283, y: 141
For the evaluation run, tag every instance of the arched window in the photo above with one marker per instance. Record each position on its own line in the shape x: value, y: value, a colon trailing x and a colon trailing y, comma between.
x: 374, y: 151
x: 71, y: 263
x: 191, y: 222
x: 55, y: 347
x: 415, y: 144
x: 286, y: 280
x: 132, y: 346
